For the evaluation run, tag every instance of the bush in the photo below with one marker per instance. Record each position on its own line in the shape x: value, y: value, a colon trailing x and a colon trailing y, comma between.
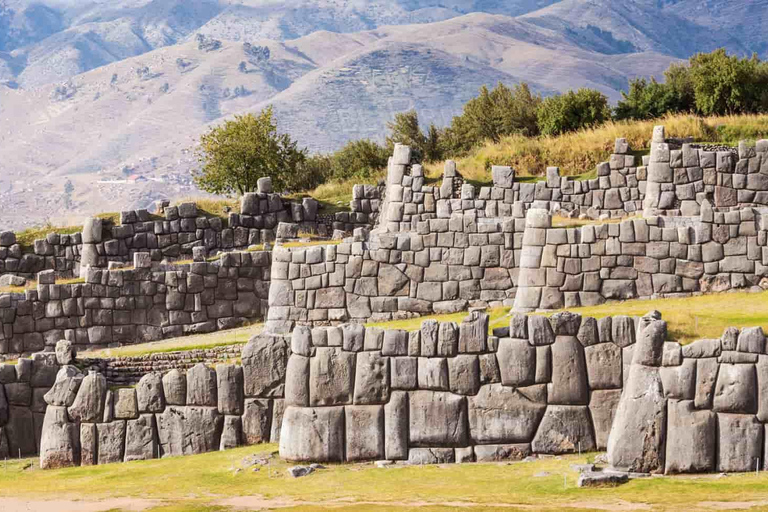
x: 649, y: 100
x: 726, y: 84
x: 572, y: 111
x: 358, y: 159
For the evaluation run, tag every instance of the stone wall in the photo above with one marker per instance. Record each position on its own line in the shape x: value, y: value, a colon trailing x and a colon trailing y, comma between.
x: 176, y: 413
x: 693, y: 409
x: 451, y: 393
x: 640, y: 258
x: 22, y: 406
x: 145, y: 303
x: 58, y: 252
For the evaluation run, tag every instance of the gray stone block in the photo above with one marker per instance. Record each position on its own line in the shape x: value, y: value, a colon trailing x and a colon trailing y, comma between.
x: 331, y: 377
x: 569, y: 373
x: 499, y: 414
x: 691, y: 438
x: 149, y: 393
x: 564, y: 429
x: 740, y: 442
x: 437, y: 419
x: 736, y: 389
x: 313, y: 434
x: 111, y: 441
x: 396, y: 426
x: 175, y: 387
x: 141, y: 438
x: 371, y: 378
x: 364, y: 432
x: 257, y: 421
x: 602, y: 407
x: 229, y: 386
x: 201, y: 386
x: 464, y: 374
x: 60, y: 440
x: 265, y: 359
x: 88, y: 406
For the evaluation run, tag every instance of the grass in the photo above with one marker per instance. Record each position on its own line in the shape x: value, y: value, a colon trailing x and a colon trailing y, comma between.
x: 26, y: 239
x: 498, y: 318
x: 210, y: 482
x: 692, y: 318
x: 568, y: 222
x: 213, y: 207
x: 193, y: 342
x: 578, y: 153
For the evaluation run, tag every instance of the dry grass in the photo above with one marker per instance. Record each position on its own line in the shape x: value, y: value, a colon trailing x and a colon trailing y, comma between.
x: 26, y: 239
x: 212, y: 206
x: 498, y: 318
x: 568, y: 222
x: 578, y: 153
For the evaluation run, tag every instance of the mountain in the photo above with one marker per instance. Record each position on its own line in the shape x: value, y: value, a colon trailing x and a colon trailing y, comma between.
x: 111, y: 96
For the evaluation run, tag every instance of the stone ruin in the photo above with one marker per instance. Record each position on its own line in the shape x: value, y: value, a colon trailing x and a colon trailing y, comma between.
x: 688, y: 220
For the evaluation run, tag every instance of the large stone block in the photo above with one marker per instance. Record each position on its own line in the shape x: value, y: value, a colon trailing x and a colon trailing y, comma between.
x: 569, y: 373
x: 175, y: 387
x: 706, y: 378
x: 60, y: 440
x: 691, y: 438
x: 680, y: 381
x: 464, y: 374
x: 437, y: 419
x: 229, y: 386
x: 736, y: 389
x: 201, y: 386
x: 111, y: 441
x: 499, y: 414
x: 88, y: 406
x: 125, y: 406
x: 740, y: 442
x: 364, y: 432
x: 256, y: 421
x: 636, y: 442
x: 20, y: 431
x: 297, y: 381
x: 603, y: 366
x: 371, y: 379
x: 564, y: 429
x: 473, y: 332
x: 231, y: 433
x: 332, y: 374
x: 189, y: 430
x: 265, y: 358
x: 602, y: 407
x: 141, y: 438
x: 150, y: 394
x: 313, y: 434
x: 62, y: 393
x: 517, y: 362
x: 433, y: 373
x: 396, y: 426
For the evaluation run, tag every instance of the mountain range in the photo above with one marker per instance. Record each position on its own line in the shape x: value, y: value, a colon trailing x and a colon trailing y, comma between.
x: 101, y: 102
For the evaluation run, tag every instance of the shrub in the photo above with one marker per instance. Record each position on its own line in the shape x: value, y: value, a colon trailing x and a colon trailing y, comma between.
x: 572, y: 111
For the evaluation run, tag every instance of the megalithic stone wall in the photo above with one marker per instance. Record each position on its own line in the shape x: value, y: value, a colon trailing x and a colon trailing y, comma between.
x: 645, y: 257
x: 693, y: 409
x: 450, y: 392
x: 176, y: 413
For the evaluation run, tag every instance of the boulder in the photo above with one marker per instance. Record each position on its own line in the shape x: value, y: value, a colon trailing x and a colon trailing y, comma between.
x: 691, y: 438
x: 422, y: 456
x: 569, y: 373
x: 229, y: 385
x: 437, y: 419
x: 332, y: 374
x: 371, y: 379
x: 602, y: 479
x: 564, y: 429
x: 265, y: 358
x: 649, y: 348
x: 65, y: 353
x: 500, y: 414
x: 175, y: 387
x: 149, y: 393
x: 201, y: 386
x: 60, y: 440
x: 364, y: 432
x: 257, y: 420
x: 88, y: 406
x: 636, y: 442
x: 141, y: 438
x: 313, y: 434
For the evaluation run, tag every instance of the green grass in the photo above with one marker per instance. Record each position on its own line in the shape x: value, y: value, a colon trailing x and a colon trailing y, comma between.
x: 209, y: 482
x: 692, y: 318
x: 498, y: 318
x: 26, y: 238
x: 236, y: 336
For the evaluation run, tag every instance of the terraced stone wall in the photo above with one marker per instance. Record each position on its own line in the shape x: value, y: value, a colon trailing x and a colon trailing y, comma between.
x: 144, y: 303
x: 59, y: 252
x: 640, y: 258
x: 451, y: 393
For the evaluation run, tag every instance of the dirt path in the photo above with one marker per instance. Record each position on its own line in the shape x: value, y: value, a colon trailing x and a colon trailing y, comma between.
x: 62, y: 505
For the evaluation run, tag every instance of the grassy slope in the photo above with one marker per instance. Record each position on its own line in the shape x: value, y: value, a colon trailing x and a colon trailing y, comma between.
x: 208, y: 480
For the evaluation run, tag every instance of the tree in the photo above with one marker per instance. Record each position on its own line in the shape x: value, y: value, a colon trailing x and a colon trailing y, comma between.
x: 572, y: 111
x: 726, y: 84
x: 648, y: 100
x: 234, y: 155
x: 493, y: 115
x: 405, y: 130
x: 359, y: 159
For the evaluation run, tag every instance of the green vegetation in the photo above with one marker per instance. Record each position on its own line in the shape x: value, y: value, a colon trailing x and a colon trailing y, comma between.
x: 194, y: 342
x: 236, y: 154
x: 26, y: 238
x: 572, y: 111
x: 211, y: 482
x: 498, y: 318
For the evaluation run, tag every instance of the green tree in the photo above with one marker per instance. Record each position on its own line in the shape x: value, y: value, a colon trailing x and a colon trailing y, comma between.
x: 726, y: 84
x: 359, y: 159
x: 492, y: 115
x: 572, y: 111
x: 648, y: 100
x: 404, y: 129
x: 234, y: 155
